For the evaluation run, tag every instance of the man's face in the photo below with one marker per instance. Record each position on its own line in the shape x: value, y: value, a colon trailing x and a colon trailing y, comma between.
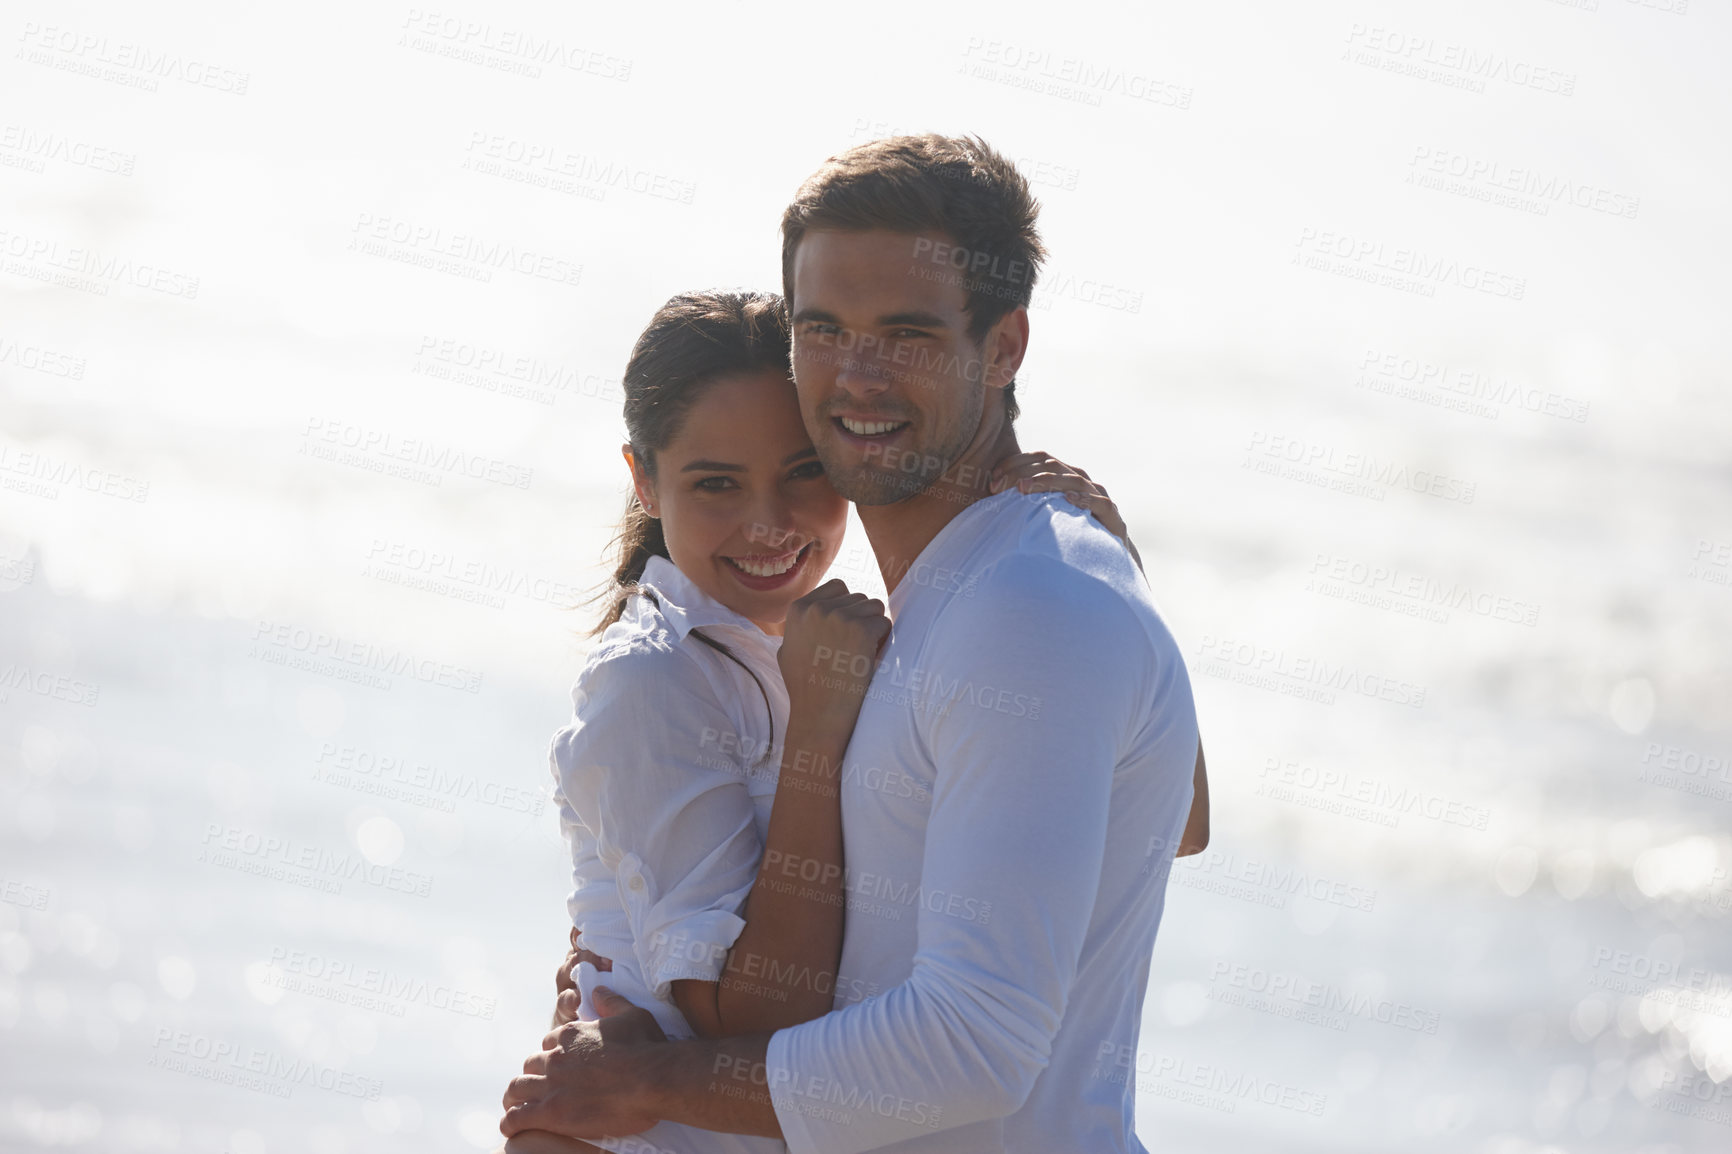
x: 891, y: 387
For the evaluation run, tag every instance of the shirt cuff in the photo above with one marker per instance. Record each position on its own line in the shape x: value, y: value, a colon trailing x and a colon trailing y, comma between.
x: 779, y: 1071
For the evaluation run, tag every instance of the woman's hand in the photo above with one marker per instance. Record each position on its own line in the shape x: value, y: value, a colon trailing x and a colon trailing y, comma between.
x: 1043, y: 473
x: 565, y: 1009
x: 562, y: 980
x: 830, y: 644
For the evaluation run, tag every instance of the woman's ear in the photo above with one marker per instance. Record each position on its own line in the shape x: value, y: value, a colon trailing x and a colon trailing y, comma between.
x: 640, y: 481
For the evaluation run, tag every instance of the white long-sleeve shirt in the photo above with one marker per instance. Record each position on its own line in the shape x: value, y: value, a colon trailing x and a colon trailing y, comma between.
x: 665, y: 777
x: 1016, y: 785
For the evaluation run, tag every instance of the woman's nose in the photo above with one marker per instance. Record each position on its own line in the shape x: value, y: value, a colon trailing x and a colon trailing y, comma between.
x: 772, y: 523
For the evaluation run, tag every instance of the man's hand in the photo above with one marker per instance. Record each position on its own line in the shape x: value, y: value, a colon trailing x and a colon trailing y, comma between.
x: 541, y: 1142
x: 588, y: 1080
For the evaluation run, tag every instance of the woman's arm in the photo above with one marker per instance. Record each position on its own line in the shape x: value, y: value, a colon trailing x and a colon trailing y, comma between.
x: 781, y: 970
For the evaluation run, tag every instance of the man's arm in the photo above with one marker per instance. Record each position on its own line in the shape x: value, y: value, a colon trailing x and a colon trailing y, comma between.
x: 620, y: 1076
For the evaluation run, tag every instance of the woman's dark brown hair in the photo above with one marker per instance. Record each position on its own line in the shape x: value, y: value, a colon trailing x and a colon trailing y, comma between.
x: 693, y: 339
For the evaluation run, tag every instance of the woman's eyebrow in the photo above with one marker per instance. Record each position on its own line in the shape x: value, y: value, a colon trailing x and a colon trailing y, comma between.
x: 702, y: 466
x: 808, y: 451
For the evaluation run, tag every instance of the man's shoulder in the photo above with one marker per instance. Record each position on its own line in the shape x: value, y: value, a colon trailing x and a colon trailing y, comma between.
x: 1041, y: 567
x: 1039, y: 543
x: 1055, y: 608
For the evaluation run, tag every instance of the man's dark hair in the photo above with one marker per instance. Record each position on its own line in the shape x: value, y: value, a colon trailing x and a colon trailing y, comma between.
x: 957, y: 185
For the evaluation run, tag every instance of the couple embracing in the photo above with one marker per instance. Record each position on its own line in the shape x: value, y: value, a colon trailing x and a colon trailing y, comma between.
x: 848, y: 876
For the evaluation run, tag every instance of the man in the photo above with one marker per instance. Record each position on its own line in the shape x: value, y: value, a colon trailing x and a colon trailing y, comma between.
x: 1029, y: 703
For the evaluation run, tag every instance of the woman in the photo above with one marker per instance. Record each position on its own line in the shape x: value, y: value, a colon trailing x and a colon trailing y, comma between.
x: 698, y: 778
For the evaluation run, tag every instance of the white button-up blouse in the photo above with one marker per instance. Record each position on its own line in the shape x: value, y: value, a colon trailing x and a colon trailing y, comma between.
x: 665, y: 778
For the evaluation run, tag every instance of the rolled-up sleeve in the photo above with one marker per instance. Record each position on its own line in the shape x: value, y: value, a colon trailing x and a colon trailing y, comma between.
x: 645, y: 768
x: 1025, y: 747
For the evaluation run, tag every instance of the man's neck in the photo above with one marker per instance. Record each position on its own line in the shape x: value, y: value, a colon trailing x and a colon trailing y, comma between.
x: 900, y: 531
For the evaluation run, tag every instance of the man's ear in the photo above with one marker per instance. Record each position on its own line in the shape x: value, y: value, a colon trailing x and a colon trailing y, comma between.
x: 642, y: 482
x: 1005, y: 345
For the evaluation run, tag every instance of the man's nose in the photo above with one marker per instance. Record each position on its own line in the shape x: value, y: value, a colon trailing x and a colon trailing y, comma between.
x: 861, y: 379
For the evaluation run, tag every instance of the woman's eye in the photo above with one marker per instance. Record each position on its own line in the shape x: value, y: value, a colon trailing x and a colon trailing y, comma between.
x: 714, y: 484
x: 806, y: 471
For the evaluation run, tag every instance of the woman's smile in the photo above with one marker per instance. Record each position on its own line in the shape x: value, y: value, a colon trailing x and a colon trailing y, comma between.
x: 762, y: 571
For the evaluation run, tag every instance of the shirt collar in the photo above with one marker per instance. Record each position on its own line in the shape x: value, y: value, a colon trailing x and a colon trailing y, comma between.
x: 951, y: 534
x: 686, y: 607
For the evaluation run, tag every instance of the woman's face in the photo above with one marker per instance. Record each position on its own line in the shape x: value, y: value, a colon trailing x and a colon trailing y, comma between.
x: 744, y: 504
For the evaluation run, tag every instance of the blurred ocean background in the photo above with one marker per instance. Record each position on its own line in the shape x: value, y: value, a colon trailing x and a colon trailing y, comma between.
x: 1397, y: 330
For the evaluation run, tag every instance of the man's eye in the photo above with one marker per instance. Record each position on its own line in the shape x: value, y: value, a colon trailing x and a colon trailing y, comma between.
x: 822, y: 329
x: 909, y: 334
